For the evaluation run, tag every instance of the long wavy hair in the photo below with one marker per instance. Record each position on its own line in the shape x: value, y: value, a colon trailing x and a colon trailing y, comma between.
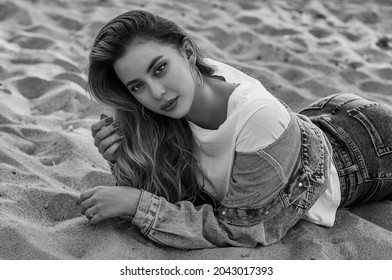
x: 156, y: 152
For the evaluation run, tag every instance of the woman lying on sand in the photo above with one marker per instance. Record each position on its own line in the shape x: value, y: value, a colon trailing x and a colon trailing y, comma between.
x: 205, y: 156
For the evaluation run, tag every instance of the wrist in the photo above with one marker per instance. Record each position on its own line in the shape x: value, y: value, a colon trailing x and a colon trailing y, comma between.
x: 132, y: 201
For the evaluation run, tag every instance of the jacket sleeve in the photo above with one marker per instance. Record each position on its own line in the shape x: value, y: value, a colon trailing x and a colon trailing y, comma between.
x: 182, y: 225
x: 234, y: 223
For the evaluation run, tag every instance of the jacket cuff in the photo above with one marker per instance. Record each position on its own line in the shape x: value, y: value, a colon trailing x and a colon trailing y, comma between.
x: 146, y: 211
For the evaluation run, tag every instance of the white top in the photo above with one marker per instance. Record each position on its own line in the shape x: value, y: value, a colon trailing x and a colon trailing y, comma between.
x: 249, y: 103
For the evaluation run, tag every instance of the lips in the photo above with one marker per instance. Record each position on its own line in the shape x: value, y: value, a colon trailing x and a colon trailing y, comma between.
x: 168, y: 106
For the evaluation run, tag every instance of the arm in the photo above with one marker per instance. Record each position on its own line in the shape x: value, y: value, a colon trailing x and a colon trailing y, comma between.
x: 235, y: 223
x: 251, y: 213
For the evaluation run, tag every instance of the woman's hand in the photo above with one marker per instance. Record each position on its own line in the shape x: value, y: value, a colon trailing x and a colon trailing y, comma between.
x: 107, y: 137
x: 101, y: 203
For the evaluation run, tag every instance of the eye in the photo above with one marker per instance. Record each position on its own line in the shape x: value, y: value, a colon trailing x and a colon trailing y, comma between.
x: 160, y: 68
x: 136, y: 87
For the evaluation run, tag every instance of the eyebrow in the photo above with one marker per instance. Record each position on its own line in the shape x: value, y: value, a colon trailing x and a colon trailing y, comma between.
x: 127, y: 84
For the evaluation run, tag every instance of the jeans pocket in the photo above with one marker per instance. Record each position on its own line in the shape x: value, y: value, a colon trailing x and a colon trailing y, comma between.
x: 377, y: 120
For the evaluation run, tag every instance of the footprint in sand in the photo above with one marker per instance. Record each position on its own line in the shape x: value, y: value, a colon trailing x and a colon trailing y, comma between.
x: 34, y: 87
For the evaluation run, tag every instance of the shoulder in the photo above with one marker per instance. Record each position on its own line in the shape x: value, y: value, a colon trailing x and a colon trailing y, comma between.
x: 229, y: 72
x: 263, y: 119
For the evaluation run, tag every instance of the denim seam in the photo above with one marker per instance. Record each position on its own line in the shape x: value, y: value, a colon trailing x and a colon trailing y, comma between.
x: 337, y: 108
x: 319, y: 105
x: 378, y: 144
x: 274, y: 163
x: 352, y: 145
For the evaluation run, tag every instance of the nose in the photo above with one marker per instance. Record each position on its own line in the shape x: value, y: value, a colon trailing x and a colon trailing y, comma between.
x: 157, y: 90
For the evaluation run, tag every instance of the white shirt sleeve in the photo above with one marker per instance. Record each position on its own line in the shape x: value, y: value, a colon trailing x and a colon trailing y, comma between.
x: 264, y: 127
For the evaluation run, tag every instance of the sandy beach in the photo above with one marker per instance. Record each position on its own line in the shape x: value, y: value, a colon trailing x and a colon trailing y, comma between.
x: 300, y: 50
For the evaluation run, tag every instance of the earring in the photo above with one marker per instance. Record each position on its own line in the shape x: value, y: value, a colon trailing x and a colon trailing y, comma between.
x: 199, y: 78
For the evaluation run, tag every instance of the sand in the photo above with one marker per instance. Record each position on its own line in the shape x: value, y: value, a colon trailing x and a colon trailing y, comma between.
x: 301, y: 50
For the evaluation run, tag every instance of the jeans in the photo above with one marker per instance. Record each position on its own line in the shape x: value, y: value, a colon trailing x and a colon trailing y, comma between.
x: 360, y: 132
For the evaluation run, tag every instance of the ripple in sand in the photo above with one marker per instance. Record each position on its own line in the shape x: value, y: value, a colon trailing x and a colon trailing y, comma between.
x: 294, y: 75
x: 66, y: 65
x: 385, y: 74
x: 374, y: 56
x: 10, y: 10
x: 351, y: 36
x: 34, y: 43
x: 61, y: 206
x: 15, y: 246
x: 249, y: 20
x: 320, y: 33
x: 67, y: 23
x: 34, y: 87
x: 319, y: 88
x: 28, y: 61
x: 274, y: 31
x: 52, y: 160
x: 73, y: 78
x: 65, y: 100
x: 372, y: 86
x: 353, y: 77
x: 97, y: 178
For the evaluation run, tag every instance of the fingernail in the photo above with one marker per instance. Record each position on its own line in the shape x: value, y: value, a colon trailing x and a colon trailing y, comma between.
x: 103, y: 116
x: 109, y: 120
x: 116, y: 124
x: 121, y: 133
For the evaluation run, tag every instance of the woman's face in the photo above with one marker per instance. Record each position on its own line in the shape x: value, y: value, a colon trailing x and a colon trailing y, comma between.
x: 158, y: 76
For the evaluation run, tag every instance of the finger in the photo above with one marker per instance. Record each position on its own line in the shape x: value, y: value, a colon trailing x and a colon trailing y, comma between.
x: 85, y: 195
x: 95, y: 220
x: 100, y: 124
x: 86, y: 205
x: 109, y: 141
x: 97, y: 216
x: 109, y: 153
x: 102, y: 116
x: 105, y: 132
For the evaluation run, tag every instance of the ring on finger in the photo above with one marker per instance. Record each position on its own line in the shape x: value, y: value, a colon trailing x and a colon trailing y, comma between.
x: 89, y: 215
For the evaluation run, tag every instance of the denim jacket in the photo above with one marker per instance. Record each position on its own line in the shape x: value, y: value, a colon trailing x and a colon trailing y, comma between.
x: 270, y: 191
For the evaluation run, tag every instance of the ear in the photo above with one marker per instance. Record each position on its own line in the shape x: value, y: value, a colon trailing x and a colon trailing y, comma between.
x: 188, y: 51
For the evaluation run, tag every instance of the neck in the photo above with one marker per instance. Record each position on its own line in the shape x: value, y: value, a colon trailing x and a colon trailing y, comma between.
x: 209, y: 108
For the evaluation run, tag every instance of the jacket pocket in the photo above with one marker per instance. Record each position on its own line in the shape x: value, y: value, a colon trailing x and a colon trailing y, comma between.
x: 298, y: 193
x: 256, y: 178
